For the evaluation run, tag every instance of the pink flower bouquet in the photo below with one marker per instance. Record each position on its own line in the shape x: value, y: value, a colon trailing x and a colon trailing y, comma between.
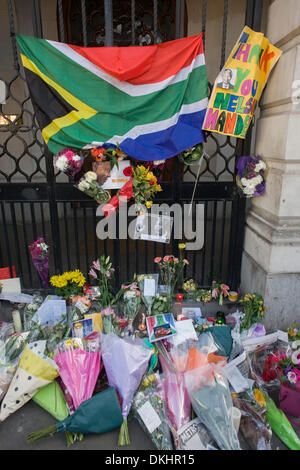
x: 68, y: 162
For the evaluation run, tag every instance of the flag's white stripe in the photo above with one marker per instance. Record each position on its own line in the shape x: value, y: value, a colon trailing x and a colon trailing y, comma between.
x: 126, y: 87
x: 154, y: 126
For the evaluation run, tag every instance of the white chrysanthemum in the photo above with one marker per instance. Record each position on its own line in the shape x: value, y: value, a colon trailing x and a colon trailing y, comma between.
x: 248, y: 190
x: 244, y: 181
x: 61, y: 163
x: 90, y: 176
x: 260, y: 166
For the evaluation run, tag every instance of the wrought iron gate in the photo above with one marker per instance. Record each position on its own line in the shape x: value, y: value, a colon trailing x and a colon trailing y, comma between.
x: 35, y: 201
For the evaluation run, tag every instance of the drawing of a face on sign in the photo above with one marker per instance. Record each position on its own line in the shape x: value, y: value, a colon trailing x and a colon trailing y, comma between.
x: 226, y: 79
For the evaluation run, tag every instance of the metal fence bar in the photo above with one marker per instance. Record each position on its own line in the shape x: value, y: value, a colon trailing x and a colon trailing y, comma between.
x: 224, y: 33
x: 155, y: 19
x: 83, y: 17
x: 108, y: 16
x: 61, y: 21
x: 13, y: 35
x: 133, y: 22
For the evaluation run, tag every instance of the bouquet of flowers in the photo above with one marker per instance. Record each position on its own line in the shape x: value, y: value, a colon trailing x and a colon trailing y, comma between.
x: 131, y: 302
x: 100, y: 413
x: 204, y: 295
x: 125, y: 361
x: 288, y: 368
x: 156, y: 166
x: 161, y: 304
x: 219, y: 291
x: 211, y: 400
x: 190, y: 288
x: 293, y: 333
x: 79, y: 366
x: 111, y: 154
x: 40, y: 259
x: 35, y: 370
x: 68, y: 284
x: 142, y: 187
x: 29, y: 311
x: 147, y: 299
x: 178, y: 403
x: 192, y: 155
x: 90, y: 186
x: 150, y: 399
x: 170, y: 269
x: 251, y: 174
x: 68, y: 162
x: 254, y: 310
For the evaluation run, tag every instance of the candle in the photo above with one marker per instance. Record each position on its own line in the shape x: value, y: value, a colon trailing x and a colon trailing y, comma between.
x: 17, y: 321
x: 232, y: 296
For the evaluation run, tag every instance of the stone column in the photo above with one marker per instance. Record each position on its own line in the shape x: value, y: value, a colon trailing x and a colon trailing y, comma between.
x: 271, y: 259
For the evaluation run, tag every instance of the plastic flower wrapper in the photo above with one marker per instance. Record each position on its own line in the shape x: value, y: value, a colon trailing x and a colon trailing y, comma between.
x: 100, y: 413
x: 178, y: 403
x: 263, y: 361
x: 253, y: 425
x: 51, y: 399
x: 35, y: 370
x: 147, y: 299
x: 79, y: 366
x: 211, y: 400
x: 125, y: 361
x: 10, y: 353
x: 280, y: 424
x: 40, y: 259
x: 131, y: 303
x: 149, y: 409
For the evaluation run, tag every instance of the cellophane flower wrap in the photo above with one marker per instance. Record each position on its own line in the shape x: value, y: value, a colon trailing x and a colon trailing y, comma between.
x: 251, y: 174
x: 192, y: 155
x: 68, y: 162
x: 40, y: 259
x: 131, y: 303
x: 35, y: 370
x: 90, y: 186
x: 125, y: 361
x: 150, y: 399
x: 178, y: 403
x: 211, y: 400
x: 79, y: 366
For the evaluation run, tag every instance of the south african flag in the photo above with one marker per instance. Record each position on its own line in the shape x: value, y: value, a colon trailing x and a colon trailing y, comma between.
x: 150, y: 100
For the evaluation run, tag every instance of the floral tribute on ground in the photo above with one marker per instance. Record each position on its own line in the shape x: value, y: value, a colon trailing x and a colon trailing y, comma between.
x: 134, y: 353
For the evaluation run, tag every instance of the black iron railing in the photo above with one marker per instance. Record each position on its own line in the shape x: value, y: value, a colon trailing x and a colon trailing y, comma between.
x: 35, y: 201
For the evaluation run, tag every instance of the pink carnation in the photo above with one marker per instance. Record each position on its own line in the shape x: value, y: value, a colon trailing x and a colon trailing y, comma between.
x: 292, y: 377
x: 185, y: 261
x: 157, y: 260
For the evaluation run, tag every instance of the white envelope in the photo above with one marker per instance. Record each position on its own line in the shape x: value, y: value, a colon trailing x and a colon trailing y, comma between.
x: 11, y: 285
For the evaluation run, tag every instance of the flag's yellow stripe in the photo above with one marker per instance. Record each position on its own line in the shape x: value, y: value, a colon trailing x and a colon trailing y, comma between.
x: 84, y: 111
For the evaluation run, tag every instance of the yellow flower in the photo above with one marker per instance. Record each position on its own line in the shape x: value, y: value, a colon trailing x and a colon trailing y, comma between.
x: 259, y: 397
x: 181, y: 246
x: 149, y: 204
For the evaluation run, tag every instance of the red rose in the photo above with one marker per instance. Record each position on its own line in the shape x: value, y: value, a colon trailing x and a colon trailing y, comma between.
x: 128, y: 171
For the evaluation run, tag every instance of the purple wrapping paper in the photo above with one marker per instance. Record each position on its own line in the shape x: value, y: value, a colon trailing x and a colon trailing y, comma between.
x: 42, y: 267
x: 125, y: 361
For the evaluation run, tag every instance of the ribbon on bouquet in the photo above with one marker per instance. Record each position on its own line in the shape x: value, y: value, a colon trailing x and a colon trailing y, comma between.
x: 125, y: 193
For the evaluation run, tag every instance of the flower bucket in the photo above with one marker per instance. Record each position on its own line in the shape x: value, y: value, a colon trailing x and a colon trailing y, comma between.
x: 290, y: 400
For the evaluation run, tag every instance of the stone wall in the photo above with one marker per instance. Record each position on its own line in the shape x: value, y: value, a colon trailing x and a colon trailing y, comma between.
x: 271, y: 261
